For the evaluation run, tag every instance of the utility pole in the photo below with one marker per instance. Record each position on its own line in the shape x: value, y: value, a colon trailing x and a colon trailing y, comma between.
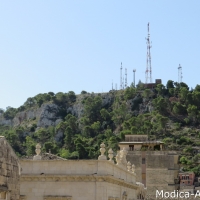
x: 134, y: 77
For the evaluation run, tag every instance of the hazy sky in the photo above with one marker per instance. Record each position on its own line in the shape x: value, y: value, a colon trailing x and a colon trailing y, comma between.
x: 75, y: 45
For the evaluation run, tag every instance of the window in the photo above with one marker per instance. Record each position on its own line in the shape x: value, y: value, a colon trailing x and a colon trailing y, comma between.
x: 2, y: 195
x: 131, y: 147
x: 143, y: 160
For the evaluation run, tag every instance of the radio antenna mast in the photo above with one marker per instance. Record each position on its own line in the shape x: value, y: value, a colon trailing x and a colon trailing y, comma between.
x: 148, y: 71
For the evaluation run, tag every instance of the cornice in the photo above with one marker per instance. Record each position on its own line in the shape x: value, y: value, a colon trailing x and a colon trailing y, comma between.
x: 57, y: 198
x: 77, y: 178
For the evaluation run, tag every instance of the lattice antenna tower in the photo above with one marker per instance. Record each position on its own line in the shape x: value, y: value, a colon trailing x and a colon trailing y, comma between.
x: 180, y: 74
x: 123, y: 83
x: 148, y: 72
x: 126, y: 84
x: 121, y: 77
x: 112, y: 85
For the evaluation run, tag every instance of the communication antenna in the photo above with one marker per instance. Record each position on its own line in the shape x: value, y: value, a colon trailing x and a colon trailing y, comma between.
x: 134, y: 77
x: 121, y: 77
x: 148, y: 72
x: 126, y: 78
x: 180, y: 74
x: 112, y: 84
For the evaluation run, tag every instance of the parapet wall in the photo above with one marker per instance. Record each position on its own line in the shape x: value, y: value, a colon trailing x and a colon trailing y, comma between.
x: 78, y: 167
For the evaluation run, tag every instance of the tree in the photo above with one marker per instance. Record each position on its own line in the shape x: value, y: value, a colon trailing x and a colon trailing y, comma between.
x: 183, y: 93
x: 68, y: 137
x: 51, y: 93
x: 196, y: 98
x: 193, y: 112
x: 147, y: 93
x: 182, y: 84
x: 170, y: 84
x: 30, y: 102
x: 179, y: 109
x: 197, y: 88
x: 160, y: 104
x: 1, y: 110
x: 30, y: 146
x: 10, y: 113
x: 50, y: 146
x: 92, y: 108
x: 140, y: 85
x: 172, y: 91
x: 162, y: 121
x: 119, y: 114
x: 64, y: 153
x: 83, y: 92
x: 104, y: 114
x: 72, y: 96
x: 160, y: 88
x: 129, y: 93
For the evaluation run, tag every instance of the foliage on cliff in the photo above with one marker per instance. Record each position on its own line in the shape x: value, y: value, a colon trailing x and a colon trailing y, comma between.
x: 169, y: 113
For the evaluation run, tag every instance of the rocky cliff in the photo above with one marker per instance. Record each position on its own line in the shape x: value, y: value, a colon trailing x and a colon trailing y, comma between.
x: 49, y: 113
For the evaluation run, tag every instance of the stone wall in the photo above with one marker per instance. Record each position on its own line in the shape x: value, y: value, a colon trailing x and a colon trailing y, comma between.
x: 9, y: 172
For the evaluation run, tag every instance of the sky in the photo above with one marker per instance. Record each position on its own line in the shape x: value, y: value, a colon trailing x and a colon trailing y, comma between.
x: 66, y: 45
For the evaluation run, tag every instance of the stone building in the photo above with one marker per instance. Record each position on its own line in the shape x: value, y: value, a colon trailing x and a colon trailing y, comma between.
x: 155, y: 167
x: 9, y: 172
x: 80, y: 179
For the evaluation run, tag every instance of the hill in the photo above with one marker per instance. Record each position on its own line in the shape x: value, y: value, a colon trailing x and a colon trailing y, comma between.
x: 73, y: 126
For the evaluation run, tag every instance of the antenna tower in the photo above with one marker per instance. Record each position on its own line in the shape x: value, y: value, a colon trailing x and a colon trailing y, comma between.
x: 180, y: 74
x: 126, y: 78
x: 123, y: 83
x: 148, y: 71
x: 121, y: 77
x: 134, y: 77
x: 112, y: 84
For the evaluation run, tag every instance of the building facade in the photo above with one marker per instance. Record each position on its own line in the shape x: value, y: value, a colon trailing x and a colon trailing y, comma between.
x: 156, y: 168
x: 80, y: 179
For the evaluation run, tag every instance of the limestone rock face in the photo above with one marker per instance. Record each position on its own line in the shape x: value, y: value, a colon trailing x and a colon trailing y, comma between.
x: 6, y: 122
x: 49, y: 115
x: 59, y: 135
x: 27, y: 115
x: 76, y: 109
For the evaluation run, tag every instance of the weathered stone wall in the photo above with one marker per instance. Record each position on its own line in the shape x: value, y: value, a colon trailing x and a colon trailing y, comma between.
x: 158, y: 169
x: 9, y: 172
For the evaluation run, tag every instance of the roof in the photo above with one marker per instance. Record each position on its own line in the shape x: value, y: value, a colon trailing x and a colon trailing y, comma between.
x: 144, y: 142
x: 183, y: 173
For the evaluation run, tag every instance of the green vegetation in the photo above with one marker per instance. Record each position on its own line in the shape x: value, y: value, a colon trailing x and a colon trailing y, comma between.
x: 170, y: 113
